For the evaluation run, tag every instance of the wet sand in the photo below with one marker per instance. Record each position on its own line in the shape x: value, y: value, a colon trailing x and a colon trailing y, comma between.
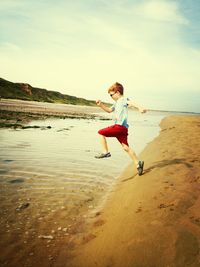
x: 44, y: 198
x: 152, y: 220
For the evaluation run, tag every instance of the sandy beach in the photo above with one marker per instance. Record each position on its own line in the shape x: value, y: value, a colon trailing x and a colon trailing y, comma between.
x: 151, y: 220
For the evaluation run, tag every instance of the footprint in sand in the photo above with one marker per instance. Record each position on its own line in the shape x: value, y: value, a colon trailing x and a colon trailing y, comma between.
x: 139, y: 209
x: 195, y: 220
x: 163, y: 206
x: 194, y: 160
x: 99, y: 222
x: 195, y: 179
x: 88, y: 238
x: 97, y: 213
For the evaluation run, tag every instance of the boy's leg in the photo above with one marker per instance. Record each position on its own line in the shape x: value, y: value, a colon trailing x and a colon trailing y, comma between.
x: 103, y: 133
x: 106, y: 132
x: 138, y: 163
x: 104, y: 144
x: 105, y: 153
x: 131, y: 153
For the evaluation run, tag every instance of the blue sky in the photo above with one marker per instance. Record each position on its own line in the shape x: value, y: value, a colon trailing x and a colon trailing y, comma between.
x: 81, y: 47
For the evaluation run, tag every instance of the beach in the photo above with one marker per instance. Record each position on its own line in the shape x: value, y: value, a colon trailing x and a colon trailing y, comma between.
x: 152, y: 220
x: 61, y: 207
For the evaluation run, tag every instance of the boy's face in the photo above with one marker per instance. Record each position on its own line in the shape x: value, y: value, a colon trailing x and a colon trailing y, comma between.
x: 115, y: 95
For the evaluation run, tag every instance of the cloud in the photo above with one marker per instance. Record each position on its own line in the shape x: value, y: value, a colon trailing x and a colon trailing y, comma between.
x: 11, y: 4
x: 161, y: 10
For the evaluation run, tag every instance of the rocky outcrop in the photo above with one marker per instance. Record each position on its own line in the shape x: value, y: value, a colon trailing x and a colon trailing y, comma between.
x: 26, y: 88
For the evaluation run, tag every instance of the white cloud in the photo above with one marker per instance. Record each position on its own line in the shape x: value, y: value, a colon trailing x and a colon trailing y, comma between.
x: 9, y: 47
x: 10, y: 4
x: 161, y: 10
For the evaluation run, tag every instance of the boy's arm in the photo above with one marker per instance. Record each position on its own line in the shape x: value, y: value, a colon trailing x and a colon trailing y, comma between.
x: 135, y: 105
x: 104, y: 107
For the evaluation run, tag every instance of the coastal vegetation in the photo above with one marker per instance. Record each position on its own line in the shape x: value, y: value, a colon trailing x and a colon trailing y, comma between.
x: 25, y: 91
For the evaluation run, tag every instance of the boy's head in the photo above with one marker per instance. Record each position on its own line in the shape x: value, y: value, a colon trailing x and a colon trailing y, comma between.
x: 116, y: 91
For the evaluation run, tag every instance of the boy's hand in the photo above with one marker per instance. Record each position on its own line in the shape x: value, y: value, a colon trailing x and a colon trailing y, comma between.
x: 98, y: 102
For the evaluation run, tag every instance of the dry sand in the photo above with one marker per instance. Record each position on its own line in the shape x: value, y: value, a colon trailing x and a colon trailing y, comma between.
x: 152, y: 220
x: 147, y: 221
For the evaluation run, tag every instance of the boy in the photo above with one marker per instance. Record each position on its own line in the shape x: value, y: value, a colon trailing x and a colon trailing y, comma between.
x: 120, y: 128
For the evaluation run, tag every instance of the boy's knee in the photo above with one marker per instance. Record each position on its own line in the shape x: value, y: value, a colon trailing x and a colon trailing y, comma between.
x: 100, y: 132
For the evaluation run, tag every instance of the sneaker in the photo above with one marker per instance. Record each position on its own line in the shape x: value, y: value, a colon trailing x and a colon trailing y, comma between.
x: 140, y: 167
x: 103, y: 155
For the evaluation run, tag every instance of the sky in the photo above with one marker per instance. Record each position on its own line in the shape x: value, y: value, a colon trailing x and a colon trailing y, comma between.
x: 82, y: 47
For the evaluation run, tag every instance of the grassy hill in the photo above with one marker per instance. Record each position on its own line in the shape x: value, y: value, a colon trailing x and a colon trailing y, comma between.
x: 25, y: 91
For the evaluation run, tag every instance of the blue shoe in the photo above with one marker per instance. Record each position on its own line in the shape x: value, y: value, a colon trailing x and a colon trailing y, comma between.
x: 140, y: 167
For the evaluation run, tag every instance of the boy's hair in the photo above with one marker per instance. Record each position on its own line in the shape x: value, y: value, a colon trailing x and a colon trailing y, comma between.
x: 116, y: 87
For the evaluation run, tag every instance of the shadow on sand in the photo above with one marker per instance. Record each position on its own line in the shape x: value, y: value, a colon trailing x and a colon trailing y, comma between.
x: 161, y: 164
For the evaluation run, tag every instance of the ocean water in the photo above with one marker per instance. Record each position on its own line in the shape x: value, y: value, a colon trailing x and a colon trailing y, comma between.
x: 61, y: 160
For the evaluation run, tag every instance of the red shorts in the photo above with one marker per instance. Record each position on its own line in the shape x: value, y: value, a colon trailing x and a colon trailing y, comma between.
x: 116, y: 130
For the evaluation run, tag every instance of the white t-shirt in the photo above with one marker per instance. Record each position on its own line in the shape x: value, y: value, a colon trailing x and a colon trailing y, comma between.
x: 120, y: 107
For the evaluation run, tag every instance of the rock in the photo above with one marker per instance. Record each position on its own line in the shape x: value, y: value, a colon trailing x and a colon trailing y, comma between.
x: 15, y: 181
x: 45, y: 236
x: 63, y: 129
x: 89, y: 199
x: 45, y: 127
x: 22, y: 206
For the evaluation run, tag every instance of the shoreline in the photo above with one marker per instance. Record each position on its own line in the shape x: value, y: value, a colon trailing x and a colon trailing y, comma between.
x: 154, y: 219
